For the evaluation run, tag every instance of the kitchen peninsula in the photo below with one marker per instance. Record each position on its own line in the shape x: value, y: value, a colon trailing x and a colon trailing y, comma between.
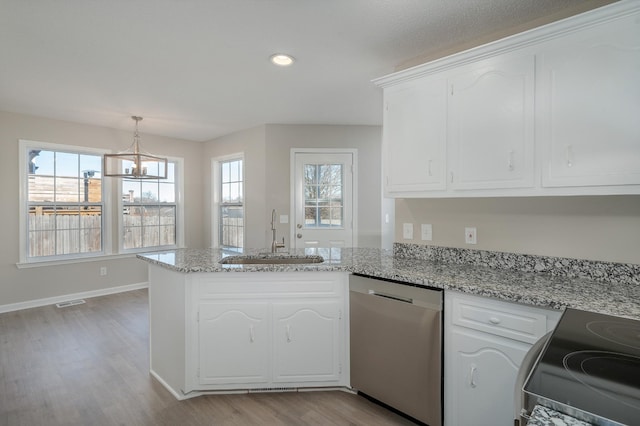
x: 286, y: 325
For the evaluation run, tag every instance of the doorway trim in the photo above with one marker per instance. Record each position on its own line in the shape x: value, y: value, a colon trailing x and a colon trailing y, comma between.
x: 292, y: 187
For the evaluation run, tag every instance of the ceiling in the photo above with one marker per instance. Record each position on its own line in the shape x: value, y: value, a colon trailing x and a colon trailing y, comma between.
x: 199, y: 69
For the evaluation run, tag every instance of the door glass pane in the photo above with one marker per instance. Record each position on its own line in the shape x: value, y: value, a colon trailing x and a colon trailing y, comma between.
x: 323, y: 195
x: 310, y: 174
x: 310, y: 216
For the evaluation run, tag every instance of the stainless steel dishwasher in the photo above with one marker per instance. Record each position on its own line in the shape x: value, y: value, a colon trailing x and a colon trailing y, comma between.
x: 396, y: 346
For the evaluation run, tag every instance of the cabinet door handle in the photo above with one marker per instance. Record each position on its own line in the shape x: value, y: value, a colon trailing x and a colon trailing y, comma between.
x: 288, y: 333
x: 494, y: 320
x: 429, y: 168
x: 569, y: 156
x: 472, y: 377
x: 510, y: 161
x: 251, y: 335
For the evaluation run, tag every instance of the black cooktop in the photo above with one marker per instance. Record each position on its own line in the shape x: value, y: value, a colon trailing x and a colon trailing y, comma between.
x: 591, y: 364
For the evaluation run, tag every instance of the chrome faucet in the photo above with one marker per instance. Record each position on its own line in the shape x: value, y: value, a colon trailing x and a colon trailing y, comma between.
x: 275, y: 245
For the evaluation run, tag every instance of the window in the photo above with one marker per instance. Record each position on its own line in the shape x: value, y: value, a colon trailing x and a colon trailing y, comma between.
x: 231, y: 206
x: 150, y: 212
x: 62, y: 202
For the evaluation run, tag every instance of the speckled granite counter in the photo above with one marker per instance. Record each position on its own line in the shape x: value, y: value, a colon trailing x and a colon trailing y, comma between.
x: 543, y: 416
x: 545, y: 288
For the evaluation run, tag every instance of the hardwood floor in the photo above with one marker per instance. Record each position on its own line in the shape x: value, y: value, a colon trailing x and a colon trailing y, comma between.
x: 89, y: 365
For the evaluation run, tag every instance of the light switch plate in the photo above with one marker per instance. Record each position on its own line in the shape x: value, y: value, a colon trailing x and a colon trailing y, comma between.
x: 470, y: 235
x: 284, y: 218
x: 426, y: 232
x: 407, y: 231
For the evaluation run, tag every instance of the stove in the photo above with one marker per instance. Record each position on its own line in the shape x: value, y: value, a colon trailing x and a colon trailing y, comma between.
x: 590, y: 369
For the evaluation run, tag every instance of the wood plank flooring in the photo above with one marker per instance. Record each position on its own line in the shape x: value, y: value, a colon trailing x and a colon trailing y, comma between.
x: 89, y: 365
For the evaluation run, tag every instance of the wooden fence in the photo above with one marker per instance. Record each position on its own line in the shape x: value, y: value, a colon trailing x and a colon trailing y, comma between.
x: 55, y: 234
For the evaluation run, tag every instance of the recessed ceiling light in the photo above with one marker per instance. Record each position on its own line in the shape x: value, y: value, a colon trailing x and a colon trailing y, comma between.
x: 282, y: 59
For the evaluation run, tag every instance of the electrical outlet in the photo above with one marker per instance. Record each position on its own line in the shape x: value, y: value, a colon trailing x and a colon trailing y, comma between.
x: 470, y: 235
x: 407, y: 231
x: 427, y: 232
x: 103, y: 271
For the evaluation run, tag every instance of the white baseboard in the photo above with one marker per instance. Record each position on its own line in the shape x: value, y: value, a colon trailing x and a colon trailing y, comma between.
x: 83, y: 295
x: 178, y: 395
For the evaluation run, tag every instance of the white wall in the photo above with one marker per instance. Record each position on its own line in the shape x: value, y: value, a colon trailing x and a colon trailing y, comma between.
x: 20, y: 285
x: 605, y: 228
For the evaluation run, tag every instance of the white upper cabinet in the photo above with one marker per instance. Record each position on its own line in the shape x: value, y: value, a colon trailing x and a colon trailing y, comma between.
x: 414, y: 135
x: 589, y: 96
x: 551, y: 111
x: 491, y: 124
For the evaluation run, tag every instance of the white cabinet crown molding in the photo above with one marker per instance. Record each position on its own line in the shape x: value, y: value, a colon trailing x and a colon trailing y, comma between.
x: 514, y: 42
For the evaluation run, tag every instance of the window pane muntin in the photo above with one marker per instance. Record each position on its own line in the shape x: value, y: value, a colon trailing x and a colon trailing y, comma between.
x: 167, y: 235
x: 131, y: 191
x: 132, y: 237
x: 149, y: 191
x: 167, y: 193
x: 67, y: 164
x: 150, y: 236
x: 171, y: 173
x: 42, y: 162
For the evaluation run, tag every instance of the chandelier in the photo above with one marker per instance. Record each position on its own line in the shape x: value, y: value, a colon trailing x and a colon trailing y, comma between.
x: 133, y: 163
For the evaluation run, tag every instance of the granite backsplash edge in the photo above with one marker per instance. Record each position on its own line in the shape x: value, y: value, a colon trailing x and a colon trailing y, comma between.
x: 605, y: 272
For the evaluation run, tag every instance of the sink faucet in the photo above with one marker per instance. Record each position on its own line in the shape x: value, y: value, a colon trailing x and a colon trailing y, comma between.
x: 275, y: 245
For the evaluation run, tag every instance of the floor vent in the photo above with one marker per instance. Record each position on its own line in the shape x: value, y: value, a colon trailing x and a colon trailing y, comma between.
x: 70, y: 303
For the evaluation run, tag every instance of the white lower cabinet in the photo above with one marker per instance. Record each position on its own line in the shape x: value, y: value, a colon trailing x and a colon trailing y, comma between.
x: 484, y: 372
x: 485, y: 343
x: 266, y: 330
x: 233, y: 343
x: 257, y: 330
x: 245, y: 342
x: 305, y: 341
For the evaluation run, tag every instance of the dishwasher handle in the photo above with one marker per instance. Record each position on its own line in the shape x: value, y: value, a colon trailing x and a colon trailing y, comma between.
x: 391, y: 296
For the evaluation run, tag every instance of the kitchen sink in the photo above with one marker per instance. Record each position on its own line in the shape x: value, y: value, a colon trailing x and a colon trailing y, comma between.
x: 271, y: 259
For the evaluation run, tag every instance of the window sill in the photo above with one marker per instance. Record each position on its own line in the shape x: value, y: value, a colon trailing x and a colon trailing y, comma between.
x: 101, y: 258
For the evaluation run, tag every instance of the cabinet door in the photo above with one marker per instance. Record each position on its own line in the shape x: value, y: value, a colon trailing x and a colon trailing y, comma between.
x: 414, y: 135
x: 233, y: 340
x: 483, y: 376
x: 590, y: 106
x: 491, y: 124
x: 307, y: 341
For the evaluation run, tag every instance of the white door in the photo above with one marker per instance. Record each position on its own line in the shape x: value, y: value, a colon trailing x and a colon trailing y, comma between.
x: 323, y: 201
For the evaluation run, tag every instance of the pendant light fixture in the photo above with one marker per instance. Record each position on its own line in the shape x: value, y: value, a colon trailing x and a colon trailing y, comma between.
x: 133, y: 163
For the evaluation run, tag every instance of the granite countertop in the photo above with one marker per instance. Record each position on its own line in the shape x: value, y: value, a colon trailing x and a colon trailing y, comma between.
x: 532, y: 288
x: 543, y: 416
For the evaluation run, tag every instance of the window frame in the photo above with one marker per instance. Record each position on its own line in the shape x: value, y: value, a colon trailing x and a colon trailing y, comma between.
x: 216, y: 201
x: 179, y: 203
x: 24, y: 146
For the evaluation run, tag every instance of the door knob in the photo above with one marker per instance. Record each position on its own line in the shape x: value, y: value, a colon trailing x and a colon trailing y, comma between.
x: 299, y: 226
x: 299, y: 235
